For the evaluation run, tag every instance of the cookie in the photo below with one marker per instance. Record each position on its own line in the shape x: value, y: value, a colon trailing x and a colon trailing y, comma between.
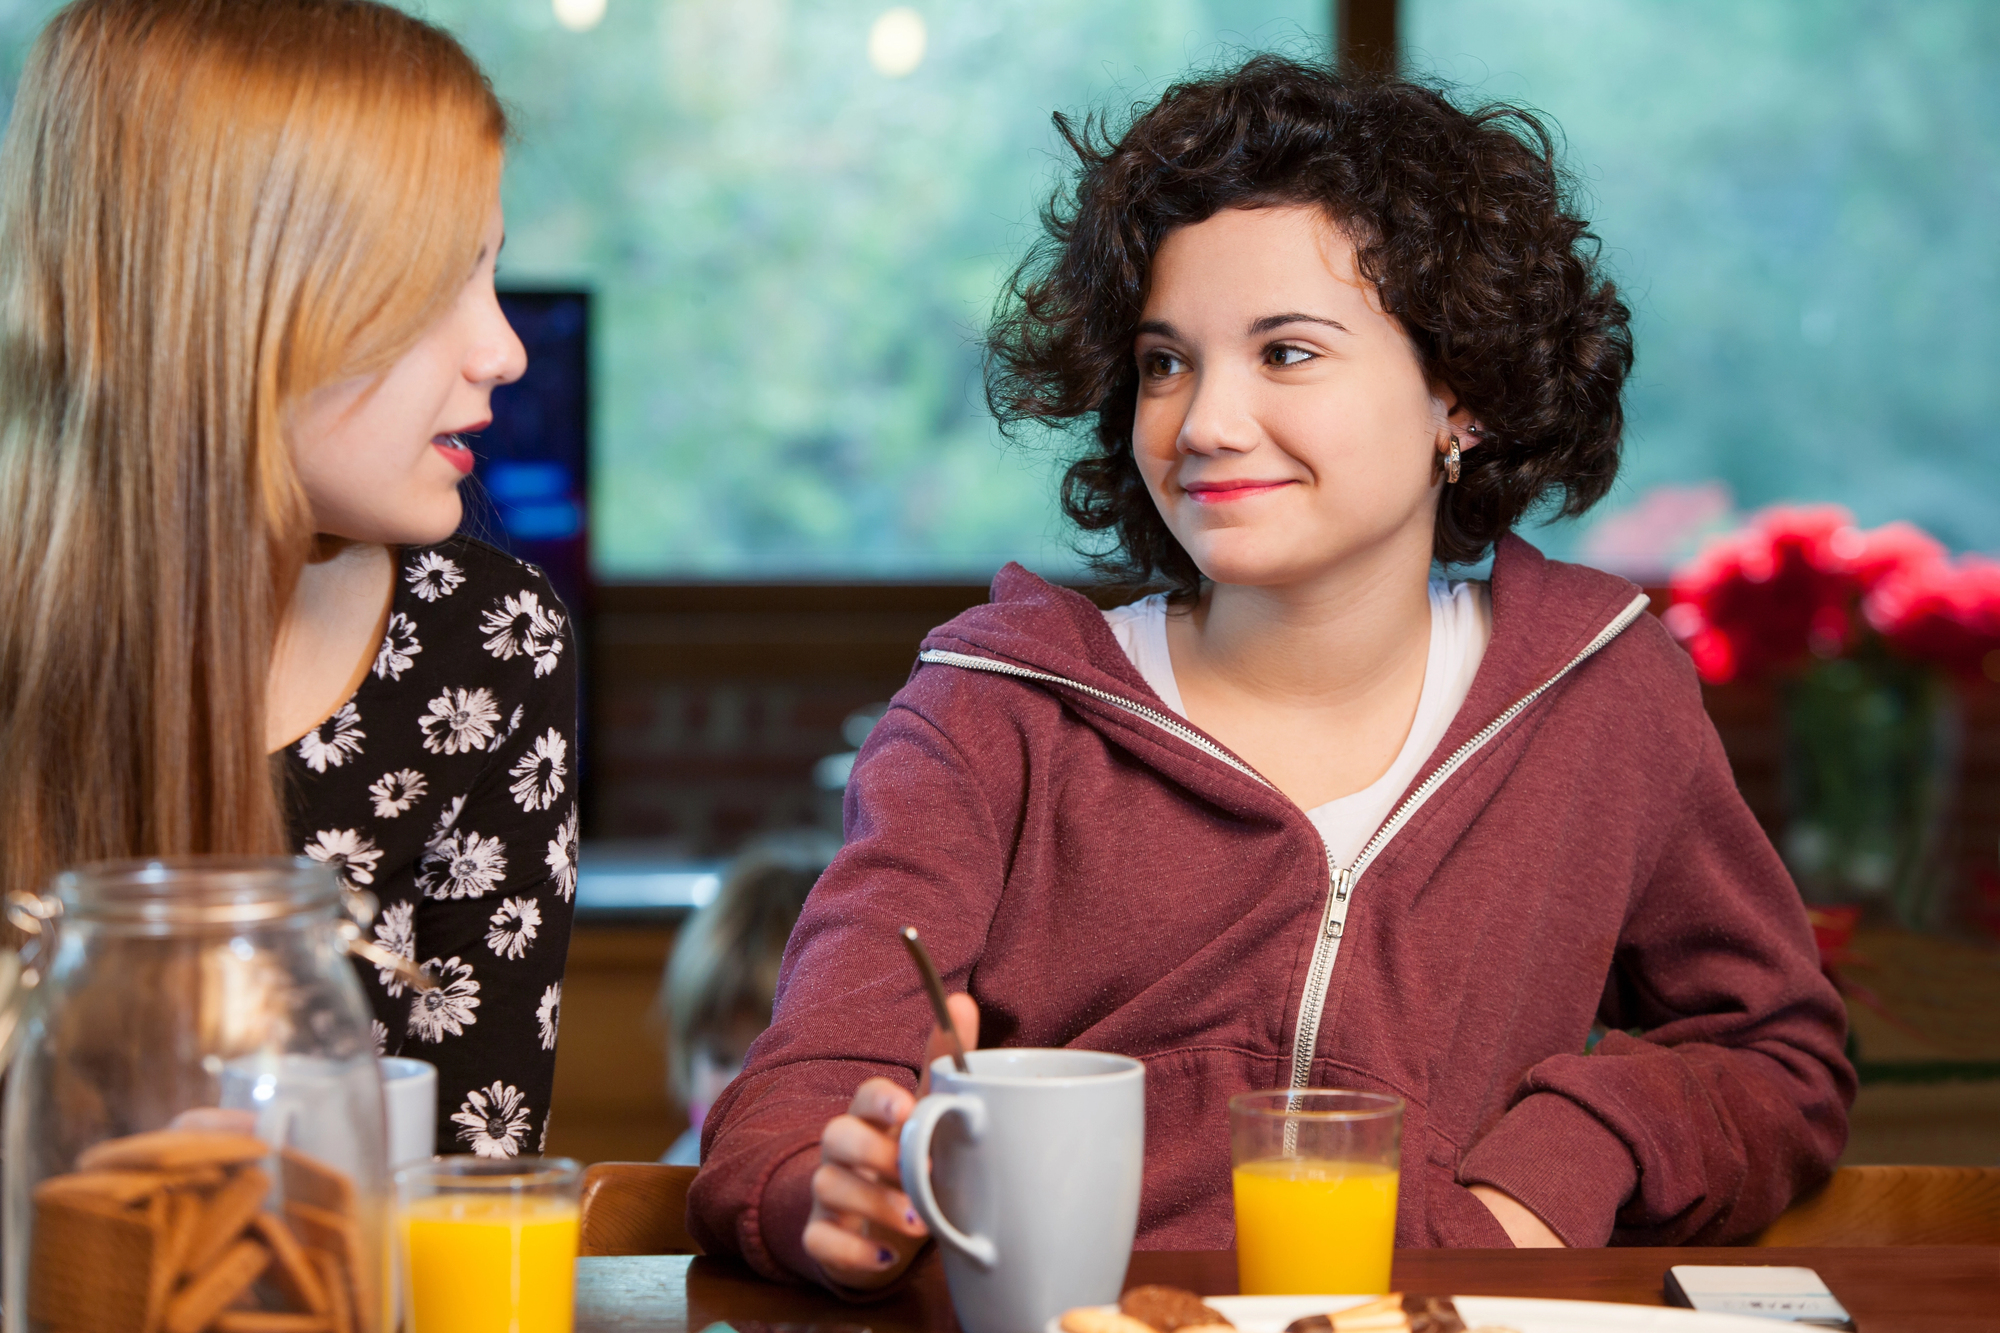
x: 1090, y: 1319
x: 1169, y: 1309
x: 1394, y: 1313
x: 222, y: 1221
x: 91, y: 1267
x: 340, y: 1308
x: 339, y: 1237
x: 210, y: 1290
x: 309, y: 1180
x: 120, y: 1188
x: 172, y: 1150
x: 292, y: 1271
x: 269, y: 1321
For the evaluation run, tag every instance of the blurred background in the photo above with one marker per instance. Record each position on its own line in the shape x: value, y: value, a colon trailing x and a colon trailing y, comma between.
x: 752, y: 245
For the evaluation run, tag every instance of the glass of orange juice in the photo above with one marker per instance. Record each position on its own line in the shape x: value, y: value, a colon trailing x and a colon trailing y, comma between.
x: 488, y: 1245
x: 1315, y: 1178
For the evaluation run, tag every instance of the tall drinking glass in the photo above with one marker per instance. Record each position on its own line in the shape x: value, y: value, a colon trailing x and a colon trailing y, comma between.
x: 1315, y: 1176
x: 489, y: 1244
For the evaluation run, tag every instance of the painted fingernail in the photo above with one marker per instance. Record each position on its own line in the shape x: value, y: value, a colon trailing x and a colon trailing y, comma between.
x: 883, y: 1256
x: 910, y: 1217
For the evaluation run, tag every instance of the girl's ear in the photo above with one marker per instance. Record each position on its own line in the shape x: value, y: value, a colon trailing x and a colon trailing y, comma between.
x: 1454, y: 418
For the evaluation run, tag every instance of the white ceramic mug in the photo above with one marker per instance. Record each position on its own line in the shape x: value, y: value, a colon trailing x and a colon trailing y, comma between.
x: 1035, y: 1160
x: 410, y: 1095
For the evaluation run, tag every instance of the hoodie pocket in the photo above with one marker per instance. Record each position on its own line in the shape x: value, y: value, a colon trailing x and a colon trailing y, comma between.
x: 1454, y: 1218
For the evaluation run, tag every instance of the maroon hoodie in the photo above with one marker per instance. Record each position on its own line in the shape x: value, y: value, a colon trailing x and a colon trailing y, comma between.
x: 1098, y: 873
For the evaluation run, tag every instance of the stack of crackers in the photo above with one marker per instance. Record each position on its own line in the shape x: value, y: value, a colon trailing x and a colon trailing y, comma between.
x: 182, y: 1231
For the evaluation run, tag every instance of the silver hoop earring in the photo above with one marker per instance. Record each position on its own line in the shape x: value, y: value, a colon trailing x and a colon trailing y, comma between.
x: 1451, y: 462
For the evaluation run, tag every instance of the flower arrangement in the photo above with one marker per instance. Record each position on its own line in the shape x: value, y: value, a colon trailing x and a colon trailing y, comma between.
x: 1802, y: 583
x: 1862, y: 633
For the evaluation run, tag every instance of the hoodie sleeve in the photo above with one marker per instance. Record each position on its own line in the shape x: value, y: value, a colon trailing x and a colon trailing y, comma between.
x: 1730, y: 1093
x: 921, y: 850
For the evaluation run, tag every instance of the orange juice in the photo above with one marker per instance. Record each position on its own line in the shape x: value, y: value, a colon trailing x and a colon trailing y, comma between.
x: 1306, y: 1227
x: 490, y: 1265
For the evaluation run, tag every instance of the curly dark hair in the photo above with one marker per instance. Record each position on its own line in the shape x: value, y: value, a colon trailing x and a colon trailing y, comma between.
x: 1461, y: 220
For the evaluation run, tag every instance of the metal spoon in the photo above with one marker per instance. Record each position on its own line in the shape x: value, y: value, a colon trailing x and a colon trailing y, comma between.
x: 934, y: 987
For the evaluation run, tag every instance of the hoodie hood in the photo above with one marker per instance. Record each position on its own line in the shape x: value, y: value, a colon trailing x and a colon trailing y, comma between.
x: 1545, y: 613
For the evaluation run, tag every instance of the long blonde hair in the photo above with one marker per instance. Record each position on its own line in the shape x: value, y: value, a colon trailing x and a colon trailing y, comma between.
x: 208, y: 209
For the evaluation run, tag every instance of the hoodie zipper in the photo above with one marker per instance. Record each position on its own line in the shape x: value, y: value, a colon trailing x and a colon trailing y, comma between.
x: 1340, y: 879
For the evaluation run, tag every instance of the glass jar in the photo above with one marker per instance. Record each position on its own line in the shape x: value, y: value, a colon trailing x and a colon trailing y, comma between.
x: 194, y: 1120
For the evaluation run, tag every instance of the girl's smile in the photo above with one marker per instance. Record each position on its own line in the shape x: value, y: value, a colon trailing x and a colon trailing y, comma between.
x: 1222, y: 492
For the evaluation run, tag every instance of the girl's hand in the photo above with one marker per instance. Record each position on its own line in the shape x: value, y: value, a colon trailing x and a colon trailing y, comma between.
x: 862, y: 1230
x: 1527, y: 1231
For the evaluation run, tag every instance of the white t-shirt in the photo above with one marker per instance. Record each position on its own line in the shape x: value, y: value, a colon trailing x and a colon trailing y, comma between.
x: 1461, y: 625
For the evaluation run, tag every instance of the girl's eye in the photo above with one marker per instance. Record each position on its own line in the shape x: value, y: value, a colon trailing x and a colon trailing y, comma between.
x: 1158, y: 365
x: 1284, y: 354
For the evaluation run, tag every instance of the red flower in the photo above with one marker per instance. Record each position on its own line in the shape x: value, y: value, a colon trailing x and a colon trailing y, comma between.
x: 1942, y: 612
x: 1764, y: 597
x: 1804, y: 581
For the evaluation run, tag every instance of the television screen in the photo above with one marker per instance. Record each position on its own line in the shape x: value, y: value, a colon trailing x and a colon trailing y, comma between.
x: 533, y: 463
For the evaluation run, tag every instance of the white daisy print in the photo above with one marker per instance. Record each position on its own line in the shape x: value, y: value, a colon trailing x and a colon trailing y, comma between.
x: 447, y: 821
x: 351, y: 854
x: 433, y: 576
x: 379, y: 1032
x: 545, y: 645
x: 332, y: 741
x: 463, y: 865
x: 511, y: 928
x: 513, y: 723
x: 396, y: 792
x: 492, y: 1121
x: 399, y: 647
x: 515, y: 627
x: 448, y: 1009
x: 459, y: 720
x: 396, y: 932
x: 548, y: 1014
x: 561, y: 857
x: 538, y: 774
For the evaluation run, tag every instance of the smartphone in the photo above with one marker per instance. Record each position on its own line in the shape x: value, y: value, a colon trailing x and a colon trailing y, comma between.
x: 1796, y: 1295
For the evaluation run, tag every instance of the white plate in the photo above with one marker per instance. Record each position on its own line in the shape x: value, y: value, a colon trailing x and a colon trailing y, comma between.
x: 1270, y: 1314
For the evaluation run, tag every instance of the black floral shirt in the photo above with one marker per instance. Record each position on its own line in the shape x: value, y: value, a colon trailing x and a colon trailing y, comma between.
x: 446, y: 787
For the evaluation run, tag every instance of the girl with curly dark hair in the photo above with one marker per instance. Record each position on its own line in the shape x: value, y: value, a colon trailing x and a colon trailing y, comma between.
x: 1309, y: 815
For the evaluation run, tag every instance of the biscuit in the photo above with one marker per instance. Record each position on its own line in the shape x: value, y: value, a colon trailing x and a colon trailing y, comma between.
x: 1168, y: 1309
x: 227, y: 1213
x: 91, y: 1267
x: 172, y: 1150
x: 308, y: 1180
x: 269, y: 1321
x: 120, y: 1188
x: 215, y: 1287
x: 292, y: 1272
x: 1394, y: 1313
x: 1090, y: 1319
x: 340, y: 1308
x: 340, y: 1238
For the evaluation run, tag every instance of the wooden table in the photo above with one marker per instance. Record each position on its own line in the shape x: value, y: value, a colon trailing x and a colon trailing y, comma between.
x: 1937, y: 1289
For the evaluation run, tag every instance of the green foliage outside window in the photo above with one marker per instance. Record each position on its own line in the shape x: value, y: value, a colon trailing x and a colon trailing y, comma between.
x: 1801, y: 202
x: 794, y: 246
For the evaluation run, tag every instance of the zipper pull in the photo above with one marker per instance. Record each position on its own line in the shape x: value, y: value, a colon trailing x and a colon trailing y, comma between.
x: 1343, y: 880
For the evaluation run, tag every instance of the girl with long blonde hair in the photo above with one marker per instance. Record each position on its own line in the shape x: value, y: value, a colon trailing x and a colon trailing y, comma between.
x: 247, y: 308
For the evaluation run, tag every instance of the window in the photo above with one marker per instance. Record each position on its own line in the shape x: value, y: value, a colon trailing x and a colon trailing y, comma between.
x: 1799, y: 201
x: 793, y: 216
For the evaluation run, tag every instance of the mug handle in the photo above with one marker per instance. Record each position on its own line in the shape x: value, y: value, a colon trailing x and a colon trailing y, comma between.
x: 913, y: 1161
